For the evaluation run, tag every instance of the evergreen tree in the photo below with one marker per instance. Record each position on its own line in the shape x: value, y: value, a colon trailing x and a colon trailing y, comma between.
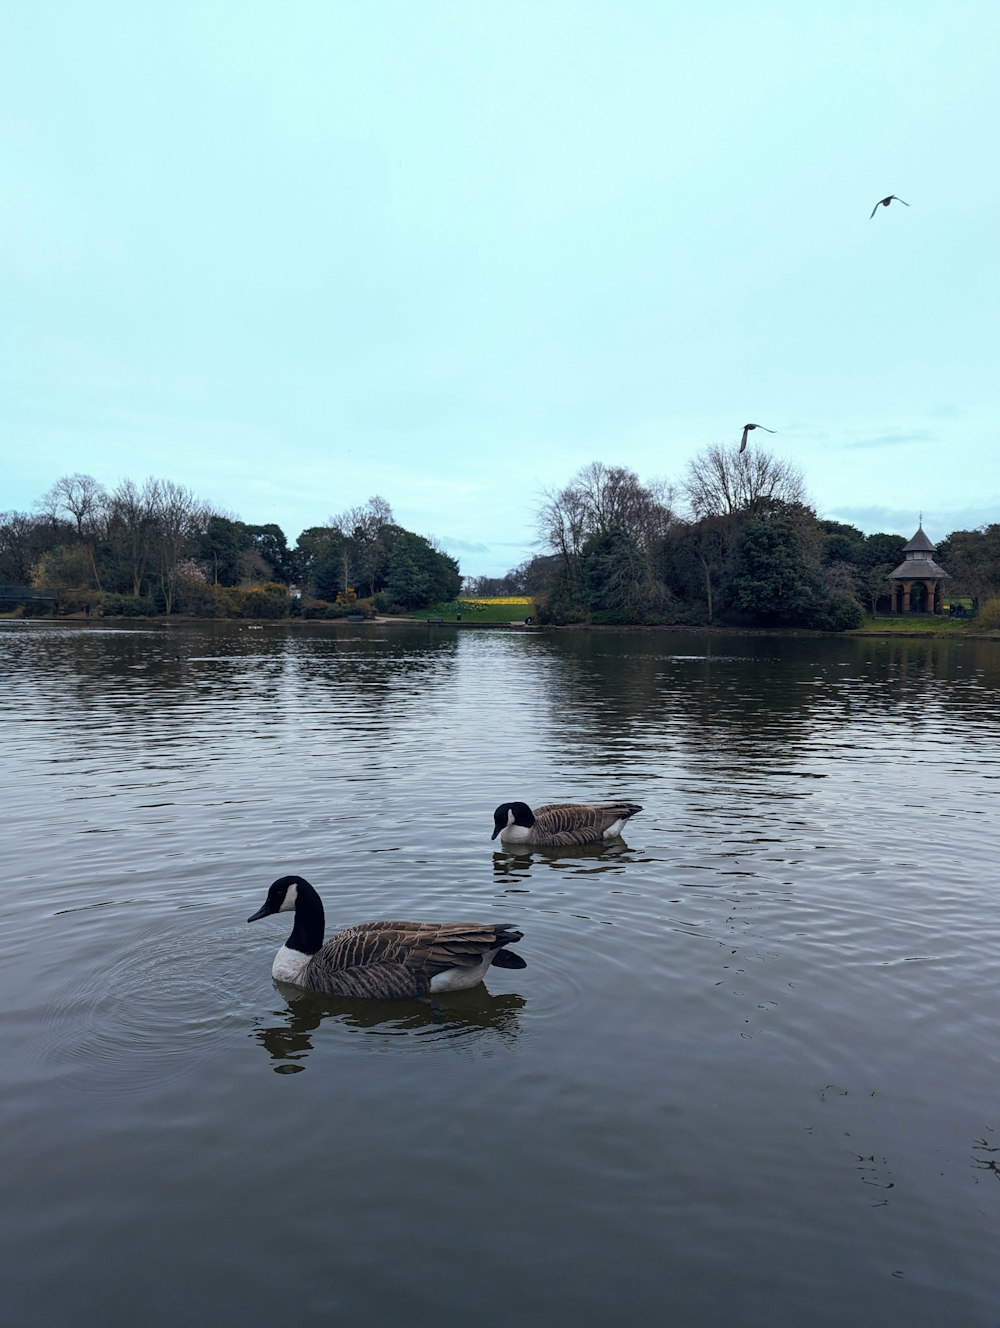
x: 769, y: 581
x: 418, y: 574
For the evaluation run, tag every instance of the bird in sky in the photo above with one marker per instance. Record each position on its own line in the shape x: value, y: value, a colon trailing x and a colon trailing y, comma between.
x: 748, y: 427
x: 884, y: 202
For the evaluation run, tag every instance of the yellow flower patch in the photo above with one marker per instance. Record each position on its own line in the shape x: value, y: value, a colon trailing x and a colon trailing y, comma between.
x: 499, y: 599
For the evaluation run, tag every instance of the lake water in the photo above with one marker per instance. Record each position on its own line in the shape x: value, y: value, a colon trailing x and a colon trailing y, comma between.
x: 748, y: 1077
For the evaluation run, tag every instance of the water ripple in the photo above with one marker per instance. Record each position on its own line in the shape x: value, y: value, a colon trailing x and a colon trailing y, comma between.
x: 757, y: 1036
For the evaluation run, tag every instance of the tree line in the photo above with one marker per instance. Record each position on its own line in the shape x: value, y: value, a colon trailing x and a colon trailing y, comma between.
x: 156, y: 548
x: 735, y: 542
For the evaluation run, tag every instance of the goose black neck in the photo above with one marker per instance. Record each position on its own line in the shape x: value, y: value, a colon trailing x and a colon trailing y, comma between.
x: 310, y: 920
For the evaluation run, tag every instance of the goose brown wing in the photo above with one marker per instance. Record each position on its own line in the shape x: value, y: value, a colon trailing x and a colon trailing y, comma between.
x: 581, y: 822
x: 385, y: 982
x: 423, y: 948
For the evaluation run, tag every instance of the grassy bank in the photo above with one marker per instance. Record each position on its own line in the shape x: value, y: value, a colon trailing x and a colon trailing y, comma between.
x: 487, y: 611
x: 922, y: 624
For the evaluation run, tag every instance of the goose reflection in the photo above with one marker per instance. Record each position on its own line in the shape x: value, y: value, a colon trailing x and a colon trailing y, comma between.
x: 986, y: 1154
x: 463, y: 1015
x: 519, y: 859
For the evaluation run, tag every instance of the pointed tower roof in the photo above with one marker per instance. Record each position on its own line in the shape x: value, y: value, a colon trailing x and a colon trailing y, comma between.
x: 917, y: 562
x: 920, y: 543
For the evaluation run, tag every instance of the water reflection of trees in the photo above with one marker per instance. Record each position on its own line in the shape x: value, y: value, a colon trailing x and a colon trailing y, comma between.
x: 140, y: 674
x: 459, y: 1015
x: 657, y: 693
x: 618, y: 704
x: 732, y: 697
x: 649, y: 686
x: 364, y: 676
x: 157, y: 676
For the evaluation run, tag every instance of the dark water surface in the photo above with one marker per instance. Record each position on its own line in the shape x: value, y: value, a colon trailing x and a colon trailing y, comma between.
x: 749, y: 1076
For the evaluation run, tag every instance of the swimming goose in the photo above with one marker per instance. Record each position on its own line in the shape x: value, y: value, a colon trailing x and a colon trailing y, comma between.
x: 561, y: 822
x: 383, y: 960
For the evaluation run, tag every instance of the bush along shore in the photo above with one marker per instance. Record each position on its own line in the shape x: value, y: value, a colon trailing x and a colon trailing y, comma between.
x: 734, y: 544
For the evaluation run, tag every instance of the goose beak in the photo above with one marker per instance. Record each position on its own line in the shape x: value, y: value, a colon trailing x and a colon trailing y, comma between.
x: 496, y: 831
x: 264, y: 911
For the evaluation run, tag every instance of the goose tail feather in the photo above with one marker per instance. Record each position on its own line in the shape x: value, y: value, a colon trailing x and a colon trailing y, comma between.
x: 507, y: 934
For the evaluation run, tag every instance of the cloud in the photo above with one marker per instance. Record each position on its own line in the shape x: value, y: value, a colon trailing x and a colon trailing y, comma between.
x: 903, y: 521
x: 462, y: 545
x: 899, y: 438
x: 944, y: 410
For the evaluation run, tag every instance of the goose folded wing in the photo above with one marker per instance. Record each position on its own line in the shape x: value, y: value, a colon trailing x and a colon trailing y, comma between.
x: 465, y: 944
x: 616, y: 811
x: 423, y: 948
x: 557, y: 816
x: 382, y: 981
x: 576, y: 822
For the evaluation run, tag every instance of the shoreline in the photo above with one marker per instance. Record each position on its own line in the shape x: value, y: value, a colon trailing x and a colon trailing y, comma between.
x: 166, y: 620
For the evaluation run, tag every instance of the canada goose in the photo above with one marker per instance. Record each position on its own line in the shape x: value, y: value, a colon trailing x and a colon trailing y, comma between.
x: 561, y: 822
x: 884, y: 202
x: 383, y: 960
x: 748, y: 427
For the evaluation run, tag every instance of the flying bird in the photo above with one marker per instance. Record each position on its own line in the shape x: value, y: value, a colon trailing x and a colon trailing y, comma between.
x: 748, y: 427
x: 884, y: 202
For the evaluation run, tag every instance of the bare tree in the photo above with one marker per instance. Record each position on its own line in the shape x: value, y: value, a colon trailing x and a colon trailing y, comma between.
x: 79, y: 495
x: 601, y: 499
x: 23, y: 539
x: 85, y: 500
x: 610, y: 504
x: 876, y: 585
x: 614, y: 498
x: 563, y: 522
x: 131, y: 521
x: 722, y: 481
x: 346, y: 549
x: 364, y: 520
x: 362, y: 551
x: 378, y: 513
x: 178, y: 517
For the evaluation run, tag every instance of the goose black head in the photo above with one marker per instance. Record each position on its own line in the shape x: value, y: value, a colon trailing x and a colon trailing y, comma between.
x: 512, y: 813
x: 281, y: 897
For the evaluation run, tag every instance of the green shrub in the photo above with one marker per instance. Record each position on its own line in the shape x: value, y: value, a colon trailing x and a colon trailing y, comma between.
x: 267, y: 601
x: 127, y: 606
x: 560, y: 612
x: 270, y: 600
x: 76, y: 600
x: 321, y: 608
x: 836, y: 612
x: 988, y: 617
x: 197, y: 598
x: 384, y: 602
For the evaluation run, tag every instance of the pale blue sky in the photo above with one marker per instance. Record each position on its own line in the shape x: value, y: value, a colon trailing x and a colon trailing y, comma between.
x: 293, y: 254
